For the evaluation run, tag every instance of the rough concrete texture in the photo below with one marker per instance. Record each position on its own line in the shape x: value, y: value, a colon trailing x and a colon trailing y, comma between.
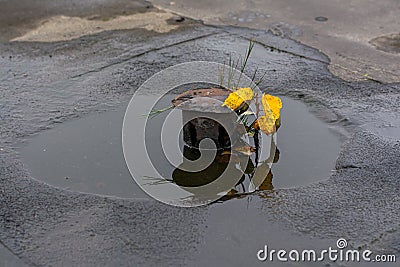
x: 44, y: 84
x: 341, y: 30
x: 62, y: 28
x: 21, y: 16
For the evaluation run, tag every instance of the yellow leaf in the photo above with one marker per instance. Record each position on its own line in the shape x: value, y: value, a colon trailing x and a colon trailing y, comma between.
x: 245, y: 93
x: 271, y: 108
x: 235, y: 99
x: 265, y: 124
x: 271, y: 103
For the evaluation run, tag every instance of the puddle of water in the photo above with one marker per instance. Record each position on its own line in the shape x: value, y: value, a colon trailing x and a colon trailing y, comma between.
x: 388, y: 125
x: 86, y: 155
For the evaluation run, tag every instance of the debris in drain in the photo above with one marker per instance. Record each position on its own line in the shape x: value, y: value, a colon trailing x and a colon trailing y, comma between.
x: 197, y: 107
x: 201, y: 111
x: 222, y: 115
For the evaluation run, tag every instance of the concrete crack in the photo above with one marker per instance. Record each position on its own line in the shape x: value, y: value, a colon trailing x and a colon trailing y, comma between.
x: 141, y: 54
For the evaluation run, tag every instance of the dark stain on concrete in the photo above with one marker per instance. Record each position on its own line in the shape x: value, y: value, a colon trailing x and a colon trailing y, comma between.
x: 321, y: 19
x: 388, y: 43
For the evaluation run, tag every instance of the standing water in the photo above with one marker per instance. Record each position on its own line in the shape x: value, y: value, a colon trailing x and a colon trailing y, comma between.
x: 86, y: 154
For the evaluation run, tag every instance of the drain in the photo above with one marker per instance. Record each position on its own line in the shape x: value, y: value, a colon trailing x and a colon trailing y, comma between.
x: 321, y: 19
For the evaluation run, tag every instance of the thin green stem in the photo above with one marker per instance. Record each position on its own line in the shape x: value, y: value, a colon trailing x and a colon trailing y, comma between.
x: 154, y: 113
x: 246, y: 58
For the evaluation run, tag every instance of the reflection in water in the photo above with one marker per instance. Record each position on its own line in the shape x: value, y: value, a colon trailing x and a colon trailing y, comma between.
x: 88, y: 151
x: 193, y: 179
x: 187, y: 178
x: 256, y: 173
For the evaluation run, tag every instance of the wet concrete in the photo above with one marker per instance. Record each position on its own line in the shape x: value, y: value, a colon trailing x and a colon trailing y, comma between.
x: 343, y: 34
x: 43, y: 85
x: 388, y: 43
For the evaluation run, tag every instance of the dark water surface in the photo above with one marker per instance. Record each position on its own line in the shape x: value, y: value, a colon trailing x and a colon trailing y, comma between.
x: 86, y: 154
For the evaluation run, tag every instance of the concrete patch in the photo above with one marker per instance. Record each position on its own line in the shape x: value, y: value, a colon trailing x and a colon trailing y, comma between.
x: 63, y: 28
x: 388, y: 43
